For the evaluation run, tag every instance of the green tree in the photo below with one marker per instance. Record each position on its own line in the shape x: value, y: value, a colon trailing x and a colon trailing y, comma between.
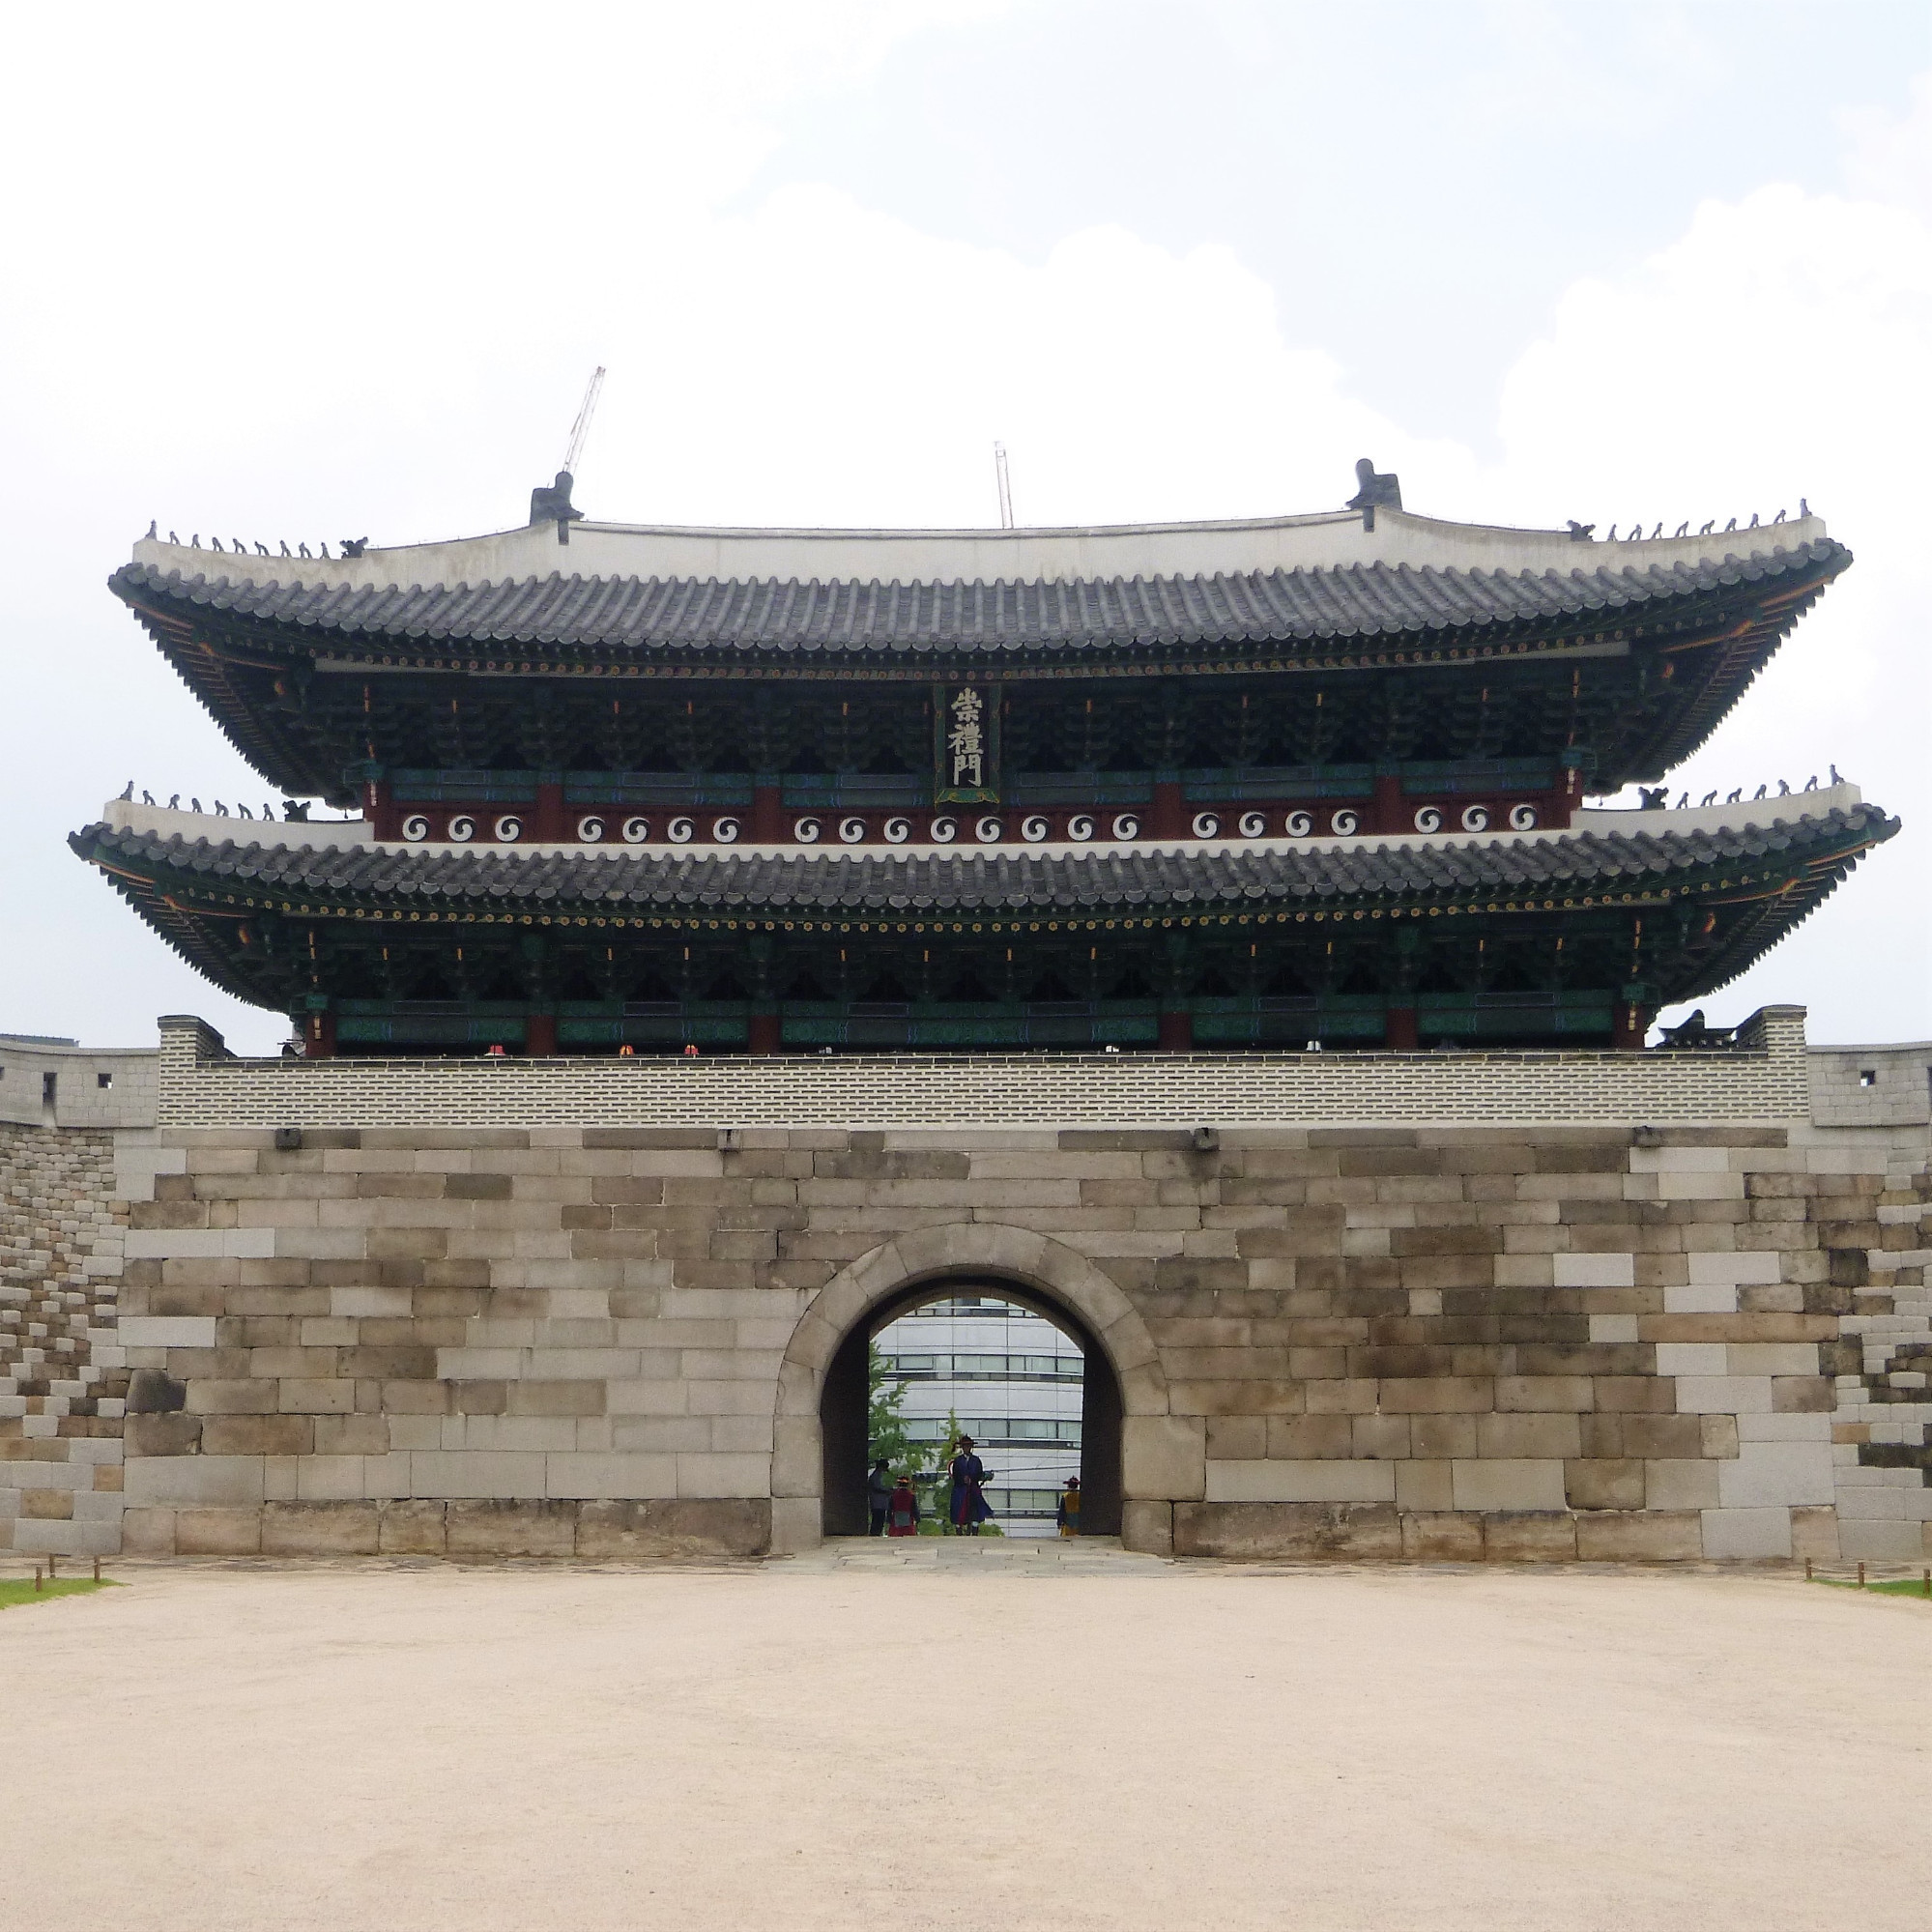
x: 886, y: 1430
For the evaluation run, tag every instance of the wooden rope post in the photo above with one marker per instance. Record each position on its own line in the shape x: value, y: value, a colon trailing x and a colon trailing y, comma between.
x: 1808, y: 1569
x: 37, y: 1576
x: 1861, y: 1576
x: 96, y: 1570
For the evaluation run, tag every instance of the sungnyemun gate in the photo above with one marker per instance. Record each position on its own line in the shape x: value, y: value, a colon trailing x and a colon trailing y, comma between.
x: 1200, y: 934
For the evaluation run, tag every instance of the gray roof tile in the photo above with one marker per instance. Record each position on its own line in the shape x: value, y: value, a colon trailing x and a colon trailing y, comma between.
x: 686, y: 615
x: 990, y: 882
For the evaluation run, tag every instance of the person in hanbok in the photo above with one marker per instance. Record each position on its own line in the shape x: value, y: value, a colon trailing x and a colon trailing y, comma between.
x: 902, y: 1510
x: 1067, y: 1515
x: 969, y: 1506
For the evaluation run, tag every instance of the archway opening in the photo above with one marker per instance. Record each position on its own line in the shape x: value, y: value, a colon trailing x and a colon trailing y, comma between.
x: 1013, y: 1367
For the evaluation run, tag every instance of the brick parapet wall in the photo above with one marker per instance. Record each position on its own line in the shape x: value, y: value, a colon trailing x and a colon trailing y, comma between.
x: 1541, y: 1340
x: 1765, y: 1079
x: 62, y: 1377
x: 1872, y: 1087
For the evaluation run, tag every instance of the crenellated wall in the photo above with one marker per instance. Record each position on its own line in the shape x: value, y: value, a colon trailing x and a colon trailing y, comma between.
x: 61, y: 1379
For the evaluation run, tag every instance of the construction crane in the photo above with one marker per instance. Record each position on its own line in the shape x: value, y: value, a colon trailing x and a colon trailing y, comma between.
x: 581, y: 429
x: 1005, y: 487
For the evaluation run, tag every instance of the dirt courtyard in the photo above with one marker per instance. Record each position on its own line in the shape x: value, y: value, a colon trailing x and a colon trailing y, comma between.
x: 971, y: 1742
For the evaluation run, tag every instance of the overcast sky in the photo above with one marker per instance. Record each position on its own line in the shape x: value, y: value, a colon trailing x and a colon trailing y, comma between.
x: 314, y: 273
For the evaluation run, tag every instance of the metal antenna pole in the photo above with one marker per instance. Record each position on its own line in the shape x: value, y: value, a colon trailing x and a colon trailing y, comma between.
x: 581, y: 429
x: 1005, y: 487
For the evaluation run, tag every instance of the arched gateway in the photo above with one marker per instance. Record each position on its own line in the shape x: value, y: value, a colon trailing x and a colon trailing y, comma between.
x: 1158, y: 1458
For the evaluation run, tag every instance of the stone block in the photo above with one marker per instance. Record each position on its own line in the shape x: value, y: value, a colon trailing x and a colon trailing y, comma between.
x: 1766, y: 1474
x: 1237, y: 1438
x: 258, y: 1435
x: 1751, y: 1533
x: 619, y: 1475
x: 1320, y: 1482
x: 412, y: 1527
x: 319, y: 1528
x: 218, y: 1532
x: 1305, y: 1529
x: 170, y: 1434
x: 797, y: 1525
x: 498, y: 1475
x: 1438, y: 1395
x: 1439, y: 1437
x: 1641, y: 1536
x: 1772, y: 1358
x: 1691, y: 1358
x: 1814, y: 1533
x: 1878, y: 1541
x: 1723, y: 1395
x: 1383, y: 1439
x: 1594, y: 1271
x: 711, y: 1474
x: 214, y: 1481
x: 1533, y: 1438
x: 1677, y: 1482
x: 1509, y: 1484
x: 1754, y: 1269
x: 1164, y: 1457
x: 1441, y: 1537
x: 1147, y: 1526
x: 1605, y: 1484
x: 663, y: 1528
x: 1700, y: 1298
x: 147, y: 1532
x: 1427, y: 1488
x: 177, y: 1330
x: 499, y: 1526
x: 1529, y: 1537
x: 797, y: 1457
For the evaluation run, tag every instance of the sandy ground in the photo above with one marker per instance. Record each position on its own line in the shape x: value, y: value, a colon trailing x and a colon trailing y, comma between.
x: 966, y: 1743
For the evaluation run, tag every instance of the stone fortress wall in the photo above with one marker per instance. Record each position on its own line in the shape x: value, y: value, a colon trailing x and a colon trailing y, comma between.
x: 1635, y: 1336
x: 63, y: 1382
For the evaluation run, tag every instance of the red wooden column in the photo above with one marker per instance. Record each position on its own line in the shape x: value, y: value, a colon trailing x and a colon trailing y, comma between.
x: 318, y: 1040
x: 552, y: 826
x: 766, y: 1034
x: 767, y: 813
x: 540, y: 1034
x: 1176, y: 1032
x: 1168, y: 817
x: 1388, y: 814
x: 1398, y: 1028
x: 1630, y: 1025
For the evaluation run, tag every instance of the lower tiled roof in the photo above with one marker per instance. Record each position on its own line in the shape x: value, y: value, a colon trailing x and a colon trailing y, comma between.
x: 994, y: 883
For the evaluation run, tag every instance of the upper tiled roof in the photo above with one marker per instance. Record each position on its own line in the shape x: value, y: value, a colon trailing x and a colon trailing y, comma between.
x: 992, y: 884
x: 764, y: 616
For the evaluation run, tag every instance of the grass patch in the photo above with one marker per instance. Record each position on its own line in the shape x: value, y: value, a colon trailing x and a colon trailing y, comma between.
x: 1897, y: 1586
x: 20, y: 1588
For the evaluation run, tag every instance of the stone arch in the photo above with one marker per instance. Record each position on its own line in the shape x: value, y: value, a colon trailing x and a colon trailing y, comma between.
x: 1163, y: 1456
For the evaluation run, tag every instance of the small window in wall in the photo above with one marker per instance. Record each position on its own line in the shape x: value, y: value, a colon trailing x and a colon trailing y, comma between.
x: 103, y: 1080
x: 1867, y: 1076
x: 49, y: 1086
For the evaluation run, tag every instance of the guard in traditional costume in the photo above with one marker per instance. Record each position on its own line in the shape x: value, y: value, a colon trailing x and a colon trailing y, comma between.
x: 969, y: 1506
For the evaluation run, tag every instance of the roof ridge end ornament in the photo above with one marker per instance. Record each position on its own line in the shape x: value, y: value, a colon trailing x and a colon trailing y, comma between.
x: 1373, y: 488
x: 551, y: 504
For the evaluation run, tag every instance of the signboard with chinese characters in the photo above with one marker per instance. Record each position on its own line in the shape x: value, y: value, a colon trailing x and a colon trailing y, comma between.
x: 965, y: 744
